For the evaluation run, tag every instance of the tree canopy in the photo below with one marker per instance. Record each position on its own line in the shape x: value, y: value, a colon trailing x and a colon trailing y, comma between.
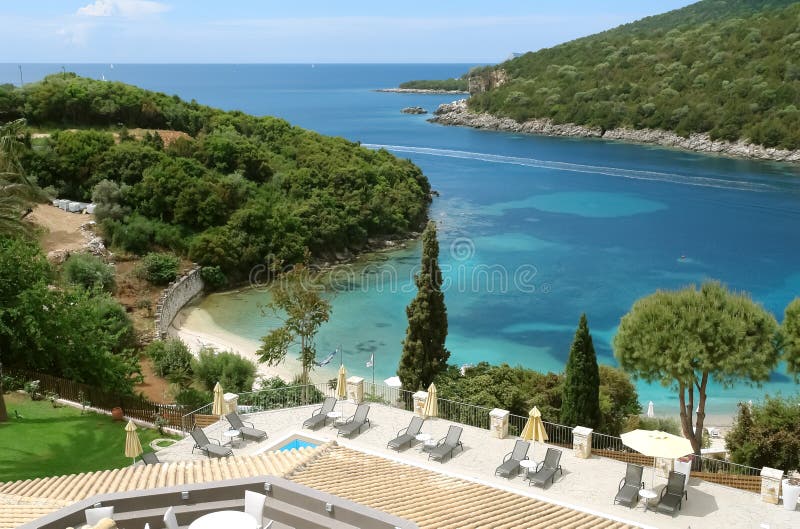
x: 296, y: 299
x: 767, y: 434
x: 581, y: 398
x: 791, y: 336
x: 726, y: 67
x: 684, y: 338
x: 233, y: 191
x: 424, y: 353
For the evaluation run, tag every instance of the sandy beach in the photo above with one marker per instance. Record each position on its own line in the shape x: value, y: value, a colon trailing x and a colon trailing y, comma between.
x: 197, y: 329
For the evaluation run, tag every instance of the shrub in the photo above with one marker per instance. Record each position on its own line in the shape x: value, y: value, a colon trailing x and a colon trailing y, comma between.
x: 665, y: 424
x: 213, y: 277
x: 192, y: 398
x: 767, y: 435
x: 159, y: 268
x: 236, y: 374
x: 275, y: 393
x: 89, y: 272
x: 170, y: 357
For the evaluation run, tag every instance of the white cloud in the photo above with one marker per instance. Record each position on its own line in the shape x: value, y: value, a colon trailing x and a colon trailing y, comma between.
x: 122, y: 8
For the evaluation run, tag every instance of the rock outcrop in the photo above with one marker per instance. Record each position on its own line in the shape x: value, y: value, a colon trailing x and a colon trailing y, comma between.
x: 457, y: 113
x: 414, y: 110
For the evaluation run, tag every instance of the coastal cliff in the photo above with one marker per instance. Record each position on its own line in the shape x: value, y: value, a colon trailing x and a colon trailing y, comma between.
x: 457, y: 114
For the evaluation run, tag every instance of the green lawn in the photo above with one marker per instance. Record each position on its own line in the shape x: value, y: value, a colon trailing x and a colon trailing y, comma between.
x: 51, y: 441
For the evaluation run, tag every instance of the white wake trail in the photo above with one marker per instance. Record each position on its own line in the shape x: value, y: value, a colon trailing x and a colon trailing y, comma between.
x: 654, y: 176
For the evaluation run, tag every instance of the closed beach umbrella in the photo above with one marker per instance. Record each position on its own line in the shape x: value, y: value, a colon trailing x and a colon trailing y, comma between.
x: 341, y: 383
x: 133, y: 447
x: 655, y: 443
x: 534, y: 428
x: 219, y: 400
x: 650, y: 410
x: 431, y: 408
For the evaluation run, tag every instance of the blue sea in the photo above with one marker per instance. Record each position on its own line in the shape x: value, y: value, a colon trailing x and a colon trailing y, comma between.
x: 533, y: 230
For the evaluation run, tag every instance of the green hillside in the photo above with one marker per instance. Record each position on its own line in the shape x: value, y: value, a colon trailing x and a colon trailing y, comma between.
x: 729, y: 68
x: 231, y: 191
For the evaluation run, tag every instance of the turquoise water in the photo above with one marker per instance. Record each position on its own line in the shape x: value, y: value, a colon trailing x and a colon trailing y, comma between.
x: 295, y: 444
x: 533, y: 230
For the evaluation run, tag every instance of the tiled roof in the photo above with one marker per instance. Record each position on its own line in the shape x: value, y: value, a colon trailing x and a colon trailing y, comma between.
x: 433, y: 500
x: 26, y: 500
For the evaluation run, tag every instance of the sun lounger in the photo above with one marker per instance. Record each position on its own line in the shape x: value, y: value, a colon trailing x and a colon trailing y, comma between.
x: 247, y: 432
x: 672, y: 495
x: 510, y: 466
x: 356, y: 422
x: 444, y: 448
x: 546, y: 470
x: 320, y: 415
x: 202, y: 443
x: 629, y: 486
x: 407, y: 435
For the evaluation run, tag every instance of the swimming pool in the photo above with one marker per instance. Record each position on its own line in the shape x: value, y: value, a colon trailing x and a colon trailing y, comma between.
x: 295, y: 443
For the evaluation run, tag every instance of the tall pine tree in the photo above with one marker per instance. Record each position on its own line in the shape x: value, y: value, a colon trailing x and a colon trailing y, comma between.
x: 580, y: 404
x: 424, y: 354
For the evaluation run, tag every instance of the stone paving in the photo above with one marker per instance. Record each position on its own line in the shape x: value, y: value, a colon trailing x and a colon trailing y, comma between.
x: 587, y: 484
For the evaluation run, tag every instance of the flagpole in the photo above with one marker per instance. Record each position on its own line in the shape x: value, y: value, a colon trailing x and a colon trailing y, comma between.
x: 373, y: 370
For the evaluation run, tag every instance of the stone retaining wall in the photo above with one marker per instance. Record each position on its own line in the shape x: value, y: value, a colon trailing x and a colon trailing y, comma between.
x: 174, y: 297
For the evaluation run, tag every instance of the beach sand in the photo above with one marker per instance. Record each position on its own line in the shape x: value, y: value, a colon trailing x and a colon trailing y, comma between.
x: 197, y: 329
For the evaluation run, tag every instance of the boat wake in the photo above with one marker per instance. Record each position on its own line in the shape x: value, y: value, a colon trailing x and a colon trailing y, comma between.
x: 655, y: 176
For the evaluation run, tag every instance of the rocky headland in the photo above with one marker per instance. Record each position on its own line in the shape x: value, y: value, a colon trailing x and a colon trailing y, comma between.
x: 457, y: 114
x: 420, y: 91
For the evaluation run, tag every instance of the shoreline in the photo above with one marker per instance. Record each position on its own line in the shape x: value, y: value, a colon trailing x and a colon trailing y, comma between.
x: 457, y: 114
x: 420, y: 91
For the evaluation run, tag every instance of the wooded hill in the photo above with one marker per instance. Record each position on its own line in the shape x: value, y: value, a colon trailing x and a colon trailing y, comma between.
x: 730, y: 68
x: 231, y: 191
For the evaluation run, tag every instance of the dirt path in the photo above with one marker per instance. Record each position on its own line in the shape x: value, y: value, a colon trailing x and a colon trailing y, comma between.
x: 61, y: 229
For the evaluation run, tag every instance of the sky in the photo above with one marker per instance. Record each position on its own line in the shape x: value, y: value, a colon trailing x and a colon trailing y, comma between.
x: 268, y: 31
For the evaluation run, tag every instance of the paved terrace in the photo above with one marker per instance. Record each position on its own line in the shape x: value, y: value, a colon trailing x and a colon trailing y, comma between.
x: 588, y: 485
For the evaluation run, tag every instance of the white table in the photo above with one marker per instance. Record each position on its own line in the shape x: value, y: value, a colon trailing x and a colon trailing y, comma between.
x: 527, y: 464
x: 335, y: 415
x: 426, y: 439
x: 232, y: 436
x: 225, y: 519
x: 647, y: 495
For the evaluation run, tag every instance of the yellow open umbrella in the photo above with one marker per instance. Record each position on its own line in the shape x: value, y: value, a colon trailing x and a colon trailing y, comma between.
x: 133, y: 447
x: 431, y: 408
x: 219, y: 400
x: 341, y: 383
x: 534, y: 428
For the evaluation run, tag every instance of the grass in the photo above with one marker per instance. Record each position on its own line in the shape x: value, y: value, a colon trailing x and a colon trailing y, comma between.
x: 50, y: 441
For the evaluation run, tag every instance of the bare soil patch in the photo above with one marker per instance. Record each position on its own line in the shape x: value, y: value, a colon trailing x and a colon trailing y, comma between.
x: 61, y: 230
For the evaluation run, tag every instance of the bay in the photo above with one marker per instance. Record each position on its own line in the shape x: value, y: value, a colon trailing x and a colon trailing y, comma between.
x: 533, y: 230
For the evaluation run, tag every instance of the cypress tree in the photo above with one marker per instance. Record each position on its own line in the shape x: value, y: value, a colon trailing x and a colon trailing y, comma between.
x: 424, y: 354
x: 580, y: 403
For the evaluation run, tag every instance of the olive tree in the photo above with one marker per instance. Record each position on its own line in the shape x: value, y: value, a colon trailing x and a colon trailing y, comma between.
x: 686, y: 337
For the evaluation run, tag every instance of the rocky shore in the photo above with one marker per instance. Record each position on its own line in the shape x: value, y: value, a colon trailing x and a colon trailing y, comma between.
x: 419, y: 91
x: 457, y: 113
x: 414, y: 110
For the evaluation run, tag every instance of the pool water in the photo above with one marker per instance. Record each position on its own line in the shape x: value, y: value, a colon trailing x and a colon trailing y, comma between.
x: 294, y: 444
